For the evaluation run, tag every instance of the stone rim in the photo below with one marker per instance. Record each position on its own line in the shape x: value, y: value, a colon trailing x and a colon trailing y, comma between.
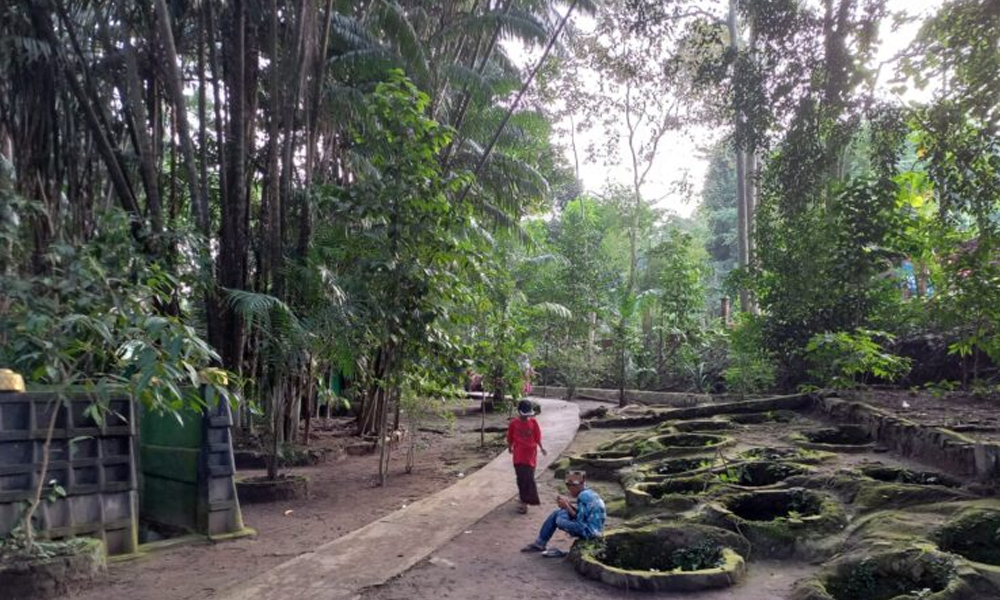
x: 732, y: 570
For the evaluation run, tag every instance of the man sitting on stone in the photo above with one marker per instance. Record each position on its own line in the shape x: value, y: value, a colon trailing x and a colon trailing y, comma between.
x: 581, y: 514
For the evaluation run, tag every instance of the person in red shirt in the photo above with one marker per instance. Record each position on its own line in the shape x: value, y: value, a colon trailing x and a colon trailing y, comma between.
x: 524, y: 440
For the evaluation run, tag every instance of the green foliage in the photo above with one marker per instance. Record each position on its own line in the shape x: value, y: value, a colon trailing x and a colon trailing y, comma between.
x: 751, y: 367
x: 705, y: 554
x: 845, y: 359
x: 102, y: 316
x: 99, y: 317
x: 396, y: 237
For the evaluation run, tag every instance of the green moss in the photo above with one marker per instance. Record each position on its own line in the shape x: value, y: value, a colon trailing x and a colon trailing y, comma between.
x: 877, y: 495
x: 616, y: 508
x: 758, y: 473
x: 782, y: 453
x: 891, y: 576
x: 677, y: 444
x: 653, y: 556
x: 889, y: 474
x: 778, y: 522
x: 975, y: 534
x: 850, y: 435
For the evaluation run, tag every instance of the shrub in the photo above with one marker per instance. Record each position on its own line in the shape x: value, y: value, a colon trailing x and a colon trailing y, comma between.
x: 845, y: 359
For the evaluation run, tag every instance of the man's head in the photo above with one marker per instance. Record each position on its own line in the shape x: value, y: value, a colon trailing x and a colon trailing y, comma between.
x: 524, y: 409
x: 576, y: 481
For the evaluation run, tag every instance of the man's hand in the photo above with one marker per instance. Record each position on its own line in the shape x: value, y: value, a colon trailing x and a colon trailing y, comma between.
x: 510, y: 449
x: 545, y: 452
x: 563, y: 502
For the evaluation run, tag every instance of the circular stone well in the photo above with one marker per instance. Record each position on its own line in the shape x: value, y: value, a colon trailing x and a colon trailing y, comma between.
x: 841, y: 438
x: 673, y: 467
x: 602, y: 464
x: 678, y: 493
x: 973, y: 534
x: 906, y: 575
x: 759, y: 473
x: 623, y: 442
x: 776, y: 521
x: 680, y: 444
x: 664, y: 557
x: 774, y: 416
x: 785, y: 453
x: 881, y: 472
x: 703, y: 425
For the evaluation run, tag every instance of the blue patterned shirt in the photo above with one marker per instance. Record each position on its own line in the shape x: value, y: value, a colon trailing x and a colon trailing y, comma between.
x: 590, y: 513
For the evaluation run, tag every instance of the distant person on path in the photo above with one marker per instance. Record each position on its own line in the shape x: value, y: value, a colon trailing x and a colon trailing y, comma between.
x: 524, y: 440
x: 581, y: 514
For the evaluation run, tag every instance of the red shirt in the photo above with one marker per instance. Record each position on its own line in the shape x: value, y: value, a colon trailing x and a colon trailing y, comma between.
x: 524, y: 437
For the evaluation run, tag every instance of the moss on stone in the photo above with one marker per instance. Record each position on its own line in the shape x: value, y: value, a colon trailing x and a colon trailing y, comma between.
x: 676, y: 494
x: 617, y: 508
x: 840, y: 438
x: 663, y: 557
x: 872, y: 495
x: 776, y: 521
x: 758, y: 474
x: 974, y: 534
x: 700, y: 425
x: 679, y: 444
x: 789, y: 453
x: 890, y: 474
x: 772, y: 416
x: 911, y: 574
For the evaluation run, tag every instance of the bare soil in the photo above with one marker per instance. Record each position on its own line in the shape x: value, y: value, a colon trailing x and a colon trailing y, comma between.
x: 343, y: 497
x: 977, y: 417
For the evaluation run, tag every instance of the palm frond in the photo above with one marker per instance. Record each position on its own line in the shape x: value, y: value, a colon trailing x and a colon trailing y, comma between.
x: 269, y: 313
x: 514, y: 24
x: 396, y: 26
x: 347, y: 34
x: 364, y: 64
x: 552, y: 309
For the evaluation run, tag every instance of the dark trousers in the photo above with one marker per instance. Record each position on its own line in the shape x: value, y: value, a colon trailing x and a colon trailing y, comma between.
x: 526, y: 484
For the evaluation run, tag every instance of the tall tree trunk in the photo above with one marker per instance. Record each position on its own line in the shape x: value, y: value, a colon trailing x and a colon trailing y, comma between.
x: 742, y: 221
x: 199, y: 203
x: 42, y: 21
x: 136, y: 108
x: 233, y: 239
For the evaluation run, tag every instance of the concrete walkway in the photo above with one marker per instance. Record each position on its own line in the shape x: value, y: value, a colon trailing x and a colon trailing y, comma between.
x: 383, y: 549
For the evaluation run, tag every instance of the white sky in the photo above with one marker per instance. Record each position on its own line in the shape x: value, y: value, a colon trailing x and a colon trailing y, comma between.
x: 681, y: 153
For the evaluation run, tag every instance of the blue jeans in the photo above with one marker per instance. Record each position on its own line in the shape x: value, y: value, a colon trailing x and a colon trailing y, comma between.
x: 559, y: 519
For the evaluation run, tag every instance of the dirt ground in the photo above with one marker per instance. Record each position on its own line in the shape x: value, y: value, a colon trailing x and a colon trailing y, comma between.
x: 977, y: 417
x: 343, y: 497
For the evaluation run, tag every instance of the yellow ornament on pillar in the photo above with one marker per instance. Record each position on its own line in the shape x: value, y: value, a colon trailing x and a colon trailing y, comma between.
x: 11, y: 381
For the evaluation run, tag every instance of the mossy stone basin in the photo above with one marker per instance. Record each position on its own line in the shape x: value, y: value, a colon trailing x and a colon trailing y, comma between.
x: 679, y: 444
x: 779, y: 522
x: 664, y: 557
x: 912, y: 574
x: 840, y: 438
x: 676, y: 493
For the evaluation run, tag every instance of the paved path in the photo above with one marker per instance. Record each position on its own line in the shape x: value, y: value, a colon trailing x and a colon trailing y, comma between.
x: 381, y: 550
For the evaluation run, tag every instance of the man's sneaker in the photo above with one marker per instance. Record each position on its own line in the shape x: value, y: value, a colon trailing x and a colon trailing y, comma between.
x: 533, y: 547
